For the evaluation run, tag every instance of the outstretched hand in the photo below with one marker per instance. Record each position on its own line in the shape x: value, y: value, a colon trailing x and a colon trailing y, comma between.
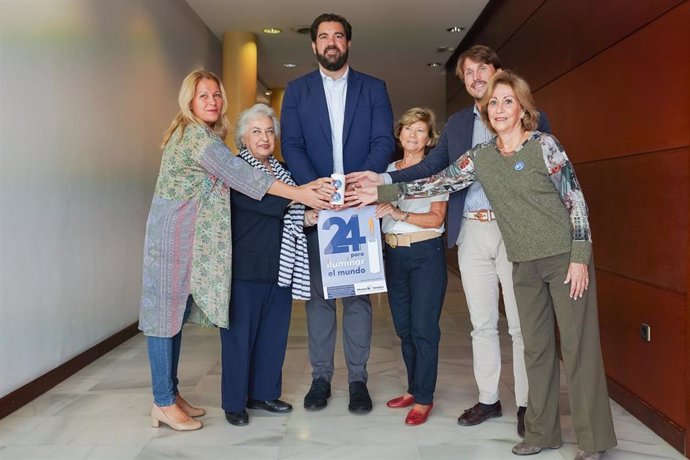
x: 317, y: 193
x: 383, y: 209
x: 578, y: 277
x: 361, y: 196
x: 363, y: 179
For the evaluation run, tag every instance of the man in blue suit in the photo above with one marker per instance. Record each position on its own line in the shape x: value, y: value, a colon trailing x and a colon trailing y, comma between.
x: 482, y: 256
x: 335, y: 120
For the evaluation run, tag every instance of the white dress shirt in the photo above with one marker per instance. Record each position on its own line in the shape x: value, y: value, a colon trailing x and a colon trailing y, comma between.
x: 336, y: 93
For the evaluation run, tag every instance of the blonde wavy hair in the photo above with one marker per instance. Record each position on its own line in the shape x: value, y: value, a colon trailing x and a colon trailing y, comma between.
x: 415, y: 114
x: 185, y: 116
x: 520, y: 87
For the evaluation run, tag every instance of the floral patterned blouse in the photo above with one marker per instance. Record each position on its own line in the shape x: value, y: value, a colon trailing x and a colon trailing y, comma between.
x: 188, y: 249
x: 537, y: 198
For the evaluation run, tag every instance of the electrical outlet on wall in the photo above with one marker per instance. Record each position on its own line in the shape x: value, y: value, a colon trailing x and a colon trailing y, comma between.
x: 646, y: 332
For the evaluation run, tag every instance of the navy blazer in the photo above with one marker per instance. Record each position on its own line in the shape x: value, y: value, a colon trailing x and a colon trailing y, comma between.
x: 306, y: 142
x: 455, y: 140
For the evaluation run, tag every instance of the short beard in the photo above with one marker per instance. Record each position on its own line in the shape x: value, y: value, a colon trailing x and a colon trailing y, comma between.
x: 333, y: 66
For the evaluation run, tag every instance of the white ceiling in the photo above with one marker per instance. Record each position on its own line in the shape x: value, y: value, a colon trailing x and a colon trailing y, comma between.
x: 391, y: 39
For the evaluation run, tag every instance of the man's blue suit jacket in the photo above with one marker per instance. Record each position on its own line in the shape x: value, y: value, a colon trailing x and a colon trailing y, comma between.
x: 306, y: 142
x: 455, y: 140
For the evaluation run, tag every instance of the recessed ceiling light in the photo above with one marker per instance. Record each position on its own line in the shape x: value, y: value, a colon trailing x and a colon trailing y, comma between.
x: 445, y: 49
x: 455, y: 29
x: 290, y: 65
x: 302, y: 30
x: 272, y: 31
x: 268, y: 92
x: 434, y: 64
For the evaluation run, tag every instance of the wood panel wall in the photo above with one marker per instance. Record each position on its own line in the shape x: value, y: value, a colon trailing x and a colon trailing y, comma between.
x: 614, y: 78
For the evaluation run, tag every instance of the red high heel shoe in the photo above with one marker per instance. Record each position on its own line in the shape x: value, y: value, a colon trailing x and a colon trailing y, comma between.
x: 417, y: 417
x: 400, y: 401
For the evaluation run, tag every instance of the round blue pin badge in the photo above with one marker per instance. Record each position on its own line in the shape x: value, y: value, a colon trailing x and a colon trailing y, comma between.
x: 519, y: 166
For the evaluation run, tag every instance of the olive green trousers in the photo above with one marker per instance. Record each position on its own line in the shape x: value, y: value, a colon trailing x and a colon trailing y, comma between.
x: 544, y: 301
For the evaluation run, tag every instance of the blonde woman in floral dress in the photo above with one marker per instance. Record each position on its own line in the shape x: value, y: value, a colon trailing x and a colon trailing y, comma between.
x: 187, y: 251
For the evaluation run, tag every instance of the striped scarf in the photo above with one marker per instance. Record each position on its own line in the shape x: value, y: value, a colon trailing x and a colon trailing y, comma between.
x: 294, y: 263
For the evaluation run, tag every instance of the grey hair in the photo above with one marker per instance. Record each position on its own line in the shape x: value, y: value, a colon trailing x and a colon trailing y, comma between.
x: 253, y: 112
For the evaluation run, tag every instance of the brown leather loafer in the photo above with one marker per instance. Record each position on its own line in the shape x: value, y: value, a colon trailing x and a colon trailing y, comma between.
x: 479, y: 413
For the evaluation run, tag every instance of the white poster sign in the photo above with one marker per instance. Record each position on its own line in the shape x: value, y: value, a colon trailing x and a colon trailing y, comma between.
x: 350, y: 250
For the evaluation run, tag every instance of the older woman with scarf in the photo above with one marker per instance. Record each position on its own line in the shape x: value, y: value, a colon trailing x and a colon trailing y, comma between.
x: 269, y: 269
x: 187, y: 251
x: 542, y: 215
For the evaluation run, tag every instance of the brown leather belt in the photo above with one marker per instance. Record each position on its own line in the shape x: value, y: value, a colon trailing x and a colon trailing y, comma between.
x: 482, y: 215
x: 407, y: 239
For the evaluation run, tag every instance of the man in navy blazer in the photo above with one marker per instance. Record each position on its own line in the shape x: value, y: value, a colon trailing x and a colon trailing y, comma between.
x: 335, y: 120
x: 481, y: 253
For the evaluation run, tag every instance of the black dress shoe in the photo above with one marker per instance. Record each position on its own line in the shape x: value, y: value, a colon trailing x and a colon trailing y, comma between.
x: 317, y: 397
x: 479, y: 413
x: 278, y: 406
x: 521, y: 421
x: 360, y: 401
x: 237, y: 418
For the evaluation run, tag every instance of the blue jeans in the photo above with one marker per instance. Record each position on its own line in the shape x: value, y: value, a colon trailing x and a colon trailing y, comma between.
x: 164, y: 355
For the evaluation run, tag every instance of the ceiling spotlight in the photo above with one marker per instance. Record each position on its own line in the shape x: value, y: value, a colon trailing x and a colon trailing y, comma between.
x: 268, y: 92
x: 455, y: 29
x: 434, y: 64
x: 272, y: 31
x: 290, y: 65
x: 445, y: 49
x: 302, y: 30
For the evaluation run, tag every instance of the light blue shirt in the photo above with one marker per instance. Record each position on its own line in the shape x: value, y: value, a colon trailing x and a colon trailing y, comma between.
x: 336, y: 93
x: 476, y: 198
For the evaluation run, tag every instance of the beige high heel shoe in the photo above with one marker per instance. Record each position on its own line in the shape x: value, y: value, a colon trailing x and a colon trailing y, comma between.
x: 188, y: 408
x: 158, y: 416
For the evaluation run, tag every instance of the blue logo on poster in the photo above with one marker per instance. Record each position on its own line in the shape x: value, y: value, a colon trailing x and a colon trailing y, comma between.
x: 350, y: 249
x: 519, y: 166
x: 347, y: 236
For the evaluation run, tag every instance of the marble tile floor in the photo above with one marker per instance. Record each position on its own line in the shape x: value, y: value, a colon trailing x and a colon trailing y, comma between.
x: 102, y: 411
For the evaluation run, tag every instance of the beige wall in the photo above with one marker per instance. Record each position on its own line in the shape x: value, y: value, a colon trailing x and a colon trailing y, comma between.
x: 86, y: 89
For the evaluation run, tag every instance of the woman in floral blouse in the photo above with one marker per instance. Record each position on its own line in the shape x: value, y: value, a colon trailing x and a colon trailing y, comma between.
x: 542, y: 215
x: 187, y: 251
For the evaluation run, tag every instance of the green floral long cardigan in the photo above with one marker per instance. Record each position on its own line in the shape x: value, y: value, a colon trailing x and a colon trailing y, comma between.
x: 188, y: 246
